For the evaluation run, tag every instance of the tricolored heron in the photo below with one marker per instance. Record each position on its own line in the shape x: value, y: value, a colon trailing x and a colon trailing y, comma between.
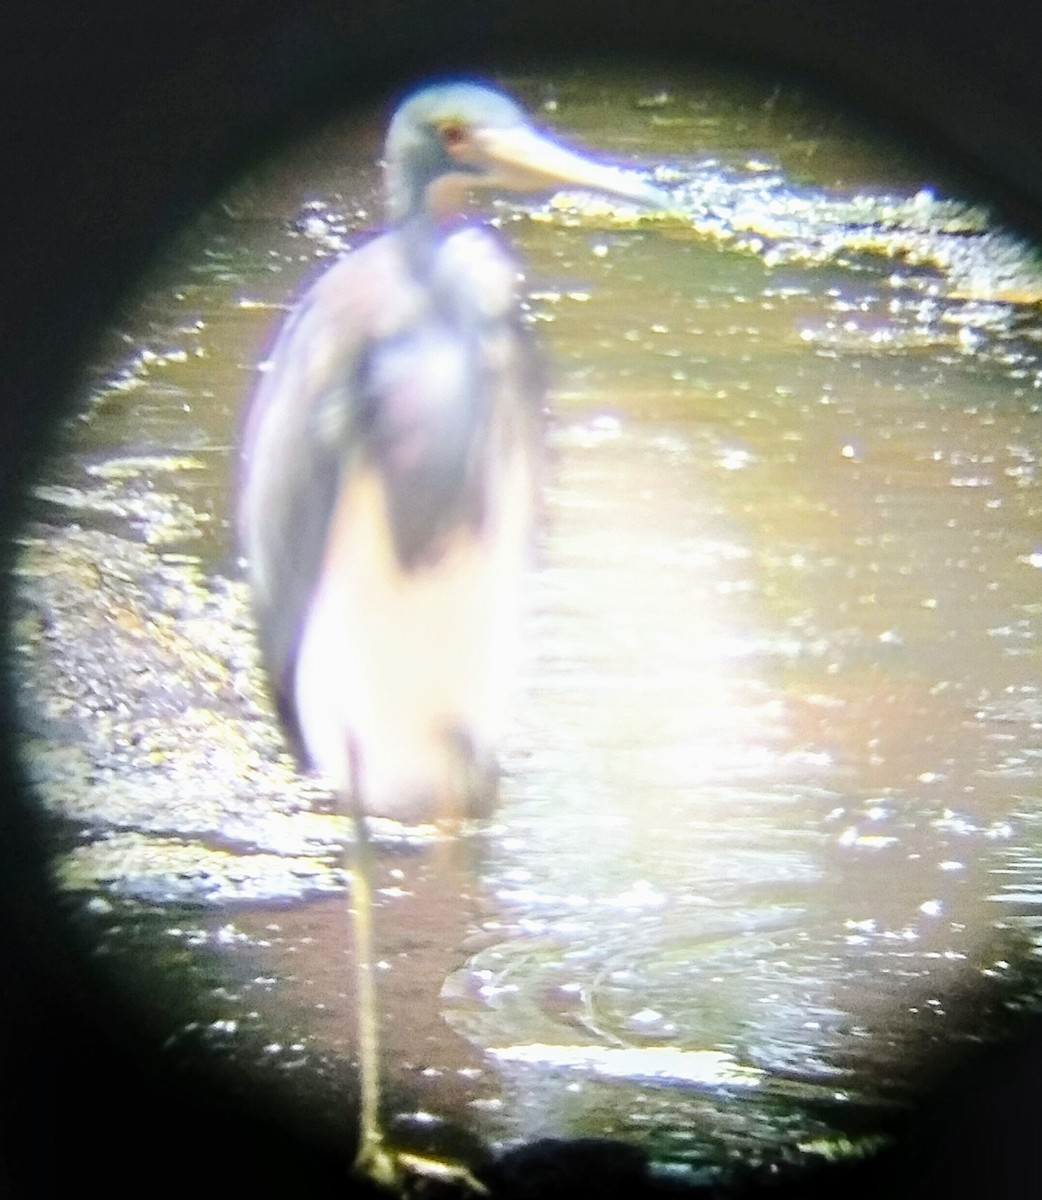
x: 388, y: 491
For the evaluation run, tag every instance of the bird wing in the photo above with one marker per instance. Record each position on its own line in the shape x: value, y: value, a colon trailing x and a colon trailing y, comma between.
x: 296, y: 445
x: 379, y: 369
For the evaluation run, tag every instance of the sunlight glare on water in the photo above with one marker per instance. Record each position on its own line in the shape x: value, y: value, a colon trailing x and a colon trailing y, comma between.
x: 770, y: 808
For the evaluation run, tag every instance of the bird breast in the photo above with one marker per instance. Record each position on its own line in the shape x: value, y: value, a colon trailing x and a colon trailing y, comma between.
x: 409, y: 645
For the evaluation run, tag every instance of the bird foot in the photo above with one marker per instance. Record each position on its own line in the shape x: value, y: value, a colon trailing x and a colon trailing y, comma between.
x: 376, y: 1162
x: 408, y: 1175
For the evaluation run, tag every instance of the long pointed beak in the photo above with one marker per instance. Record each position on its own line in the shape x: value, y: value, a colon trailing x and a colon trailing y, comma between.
x: 523, y: 161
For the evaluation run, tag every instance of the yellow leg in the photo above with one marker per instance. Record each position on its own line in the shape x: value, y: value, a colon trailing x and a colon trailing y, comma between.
x: 373, y: 1159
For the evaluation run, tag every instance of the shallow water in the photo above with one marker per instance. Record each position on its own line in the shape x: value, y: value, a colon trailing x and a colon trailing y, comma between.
x: 768, y: 850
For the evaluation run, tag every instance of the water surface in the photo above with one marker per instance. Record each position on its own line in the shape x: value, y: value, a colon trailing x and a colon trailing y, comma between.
x: 768, y: 852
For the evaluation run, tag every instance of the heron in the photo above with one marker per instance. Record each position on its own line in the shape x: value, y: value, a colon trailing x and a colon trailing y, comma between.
x: 388, y: 495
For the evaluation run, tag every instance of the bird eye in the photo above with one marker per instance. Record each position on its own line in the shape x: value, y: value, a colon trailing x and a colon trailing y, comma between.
x: 453, y: 134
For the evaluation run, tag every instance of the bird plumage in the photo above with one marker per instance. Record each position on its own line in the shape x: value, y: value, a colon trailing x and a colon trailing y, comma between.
x: 388, y: 491
x: 390, y: 463
x: 387, y: 502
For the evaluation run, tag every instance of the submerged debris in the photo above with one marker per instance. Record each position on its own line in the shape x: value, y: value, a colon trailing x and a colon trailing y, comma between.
x: 170, y: 870
x: 144, y: 710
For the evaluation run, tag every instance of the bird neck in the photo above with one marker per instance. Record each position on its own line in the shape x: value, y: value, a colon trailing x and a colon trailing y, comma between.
x: 421, y: 182
x: 423, y: 235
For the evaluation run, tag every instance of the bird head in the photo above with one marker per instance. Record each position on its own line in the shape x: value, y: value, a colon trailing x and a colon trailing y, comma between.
x: 452, y: 139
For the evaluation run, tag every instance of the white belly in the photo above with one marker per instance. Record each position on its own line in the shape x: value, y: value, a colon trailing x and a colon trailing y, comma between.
x: 393, y: 664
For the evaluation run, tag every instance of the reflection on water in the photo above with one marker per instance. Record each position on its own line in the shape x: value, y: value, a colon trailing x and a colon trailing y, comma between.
x: 771, y: 800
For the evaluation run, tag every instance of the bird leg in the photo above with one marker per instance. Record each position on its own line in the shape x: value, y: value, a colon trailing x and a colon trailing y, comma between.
x: 395, y: 1170
x: 372, y: 1157
x: 473, y: 781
